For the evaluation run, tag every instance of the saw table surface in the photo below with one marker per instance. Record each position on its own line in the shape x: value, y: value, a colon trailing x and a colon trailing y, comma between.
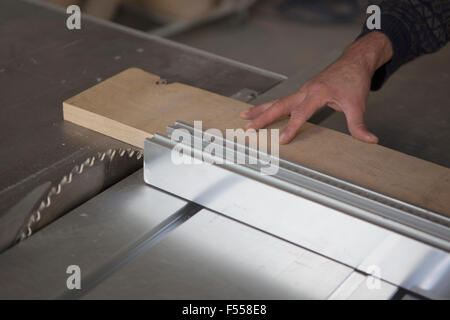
x: 114, y: 239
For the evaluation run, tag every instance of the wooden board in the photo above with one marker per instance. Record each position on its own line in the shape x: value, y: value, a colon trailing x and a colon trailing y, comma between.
x: 133, y: 105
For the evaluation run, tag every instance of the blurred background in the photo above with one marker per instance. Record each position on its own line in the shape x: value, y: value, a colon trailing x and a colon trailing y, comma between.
x: 277, y: 35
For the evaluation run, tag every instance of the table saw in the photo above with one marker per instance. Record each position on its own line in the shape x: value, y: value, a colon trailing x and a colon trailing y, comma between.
x: 139, y: 226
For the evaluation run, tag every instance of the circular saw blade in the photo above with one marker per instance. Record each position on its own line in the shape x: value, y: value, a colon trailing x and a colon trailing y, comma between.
x: 83, y: 182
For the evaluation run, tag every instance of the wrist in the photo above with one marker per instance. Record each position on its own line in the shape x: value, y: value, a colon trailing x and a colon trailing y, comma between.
x: 370, y: 51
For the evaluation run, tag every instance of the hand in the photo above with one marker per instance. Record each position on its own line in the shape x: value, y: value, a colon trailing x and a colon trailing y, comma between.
x: 343, y: 86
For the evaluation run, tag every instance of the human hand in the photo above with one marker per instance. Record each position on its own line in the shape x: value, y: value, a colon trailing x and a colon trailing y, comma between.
x: 343, y: 86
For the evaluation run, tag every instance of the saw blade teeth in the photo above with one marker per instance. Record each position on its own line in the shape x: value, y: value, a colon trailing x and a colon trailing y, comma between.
x: 88, y: 161
x: 74, y: 170
x: 101, y: 156
x: 67, y: 179
x: 63, y: 181
x: 52, y: 191
x: 48, y: 202
x: 29, y: 231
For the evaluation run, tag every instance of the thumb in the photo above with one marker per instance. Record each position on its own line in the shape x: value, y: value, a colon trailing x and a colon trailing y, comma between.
x: 357, y: 127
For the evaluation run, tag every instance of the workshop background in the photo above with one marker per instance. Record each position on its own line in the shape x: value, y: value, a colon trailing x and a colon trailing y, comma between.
x: 298, y: 38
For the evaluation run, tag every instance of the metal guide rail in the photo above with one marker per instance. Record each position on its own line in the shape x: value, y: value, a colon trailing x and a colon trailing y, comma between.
x: 347, y: 223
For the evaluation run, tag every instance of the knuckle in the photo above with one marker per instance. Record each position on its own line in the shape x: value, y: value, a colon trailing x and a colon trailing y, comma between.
x: 300, y: 114
x: 252, y: 110
x: 263, y: 119
x: 317, y: 87
x: 257, y: 122
x: 291, y: 130
x: 360, y: 125
x: 279, y: 105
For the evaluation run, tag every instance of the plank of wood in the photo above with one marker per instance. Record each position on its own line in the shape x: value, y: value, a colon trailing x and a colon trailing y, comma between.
x: 133, y: 105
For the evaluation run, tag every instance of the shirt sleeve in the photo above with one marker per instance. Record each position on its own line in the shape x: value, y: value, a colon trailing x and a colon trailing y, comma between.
x: 414, y: 27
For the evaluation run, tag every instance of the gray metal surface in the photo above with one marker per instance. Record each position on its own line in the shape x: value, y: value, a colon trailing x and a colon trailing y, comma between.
x: 213, y: 257
x: 90, y: 236
x: 17, y: 216
x: 112, y: 239
x: 361, y: 287
x: 412, y: 265
x: 42, y: 63
x: 237, y: 192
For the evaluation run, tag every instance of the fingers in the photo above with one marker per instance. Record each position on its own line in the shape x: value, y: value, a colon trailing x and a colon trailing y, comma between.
x: 299, y: 116
x: 290, y: 100
x: 357, y: 127
x: 254, y: 112
x: 278, y: 109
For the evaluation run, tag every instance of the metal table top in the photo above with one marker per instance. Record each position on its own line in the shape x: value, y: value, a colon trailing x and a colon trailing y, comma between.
x: 129, y: 242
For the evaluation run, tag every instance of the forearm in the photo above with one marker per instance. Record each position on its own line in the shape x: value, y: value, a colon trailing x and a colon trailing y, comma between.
x: 414, y: 28
x: 370, y: 51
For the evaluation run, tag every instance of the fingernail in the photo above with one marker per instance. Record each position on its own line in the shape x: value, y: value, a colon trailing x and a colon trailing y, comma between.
x: 248, y: 126
x: 282, y: 137
x: 372, y: 138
